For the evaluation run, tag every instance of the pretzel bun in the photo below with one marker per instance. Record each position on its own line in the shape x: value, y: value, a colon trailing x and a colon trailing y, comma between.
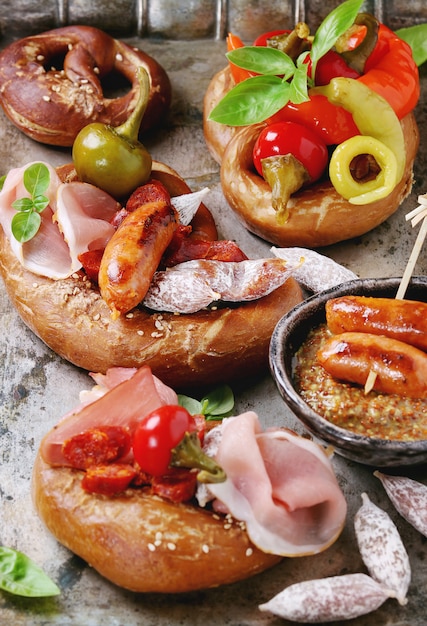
x: 117, y: 535
x: 319, y: 216
x: 185, y: 351
x: 52, y: 84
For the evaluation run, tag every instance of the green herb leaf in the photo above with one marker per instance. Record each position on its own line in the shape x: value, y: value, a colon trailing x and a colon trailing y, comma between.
x: 40, y: 203
x: 21, y: 576
x: 23, y: 204
x: 416, y: 37
x: 2, y: 179
x: 298, y: 87
x: 36, y: 179
x: 252, y: 101
x: 217, y: 404
x: 262, y: 60
x: 333, y: 26
x: 25, y: 225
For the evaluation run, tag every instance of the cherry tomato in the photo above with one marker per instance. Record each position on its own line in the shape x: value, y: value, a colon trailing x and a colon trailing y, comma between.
x: 332, y: 65
x: 291, y: 138
x: 157, y: 434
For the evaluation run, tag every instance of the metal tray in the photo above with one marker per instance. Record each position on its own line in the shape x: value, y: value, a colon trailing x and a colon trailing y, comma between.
x: 37, y: 388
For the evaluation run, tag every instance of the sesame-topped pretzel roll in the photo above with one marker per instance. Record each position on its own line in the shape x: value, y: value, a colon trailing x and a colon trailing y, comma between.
x: 52, y: 84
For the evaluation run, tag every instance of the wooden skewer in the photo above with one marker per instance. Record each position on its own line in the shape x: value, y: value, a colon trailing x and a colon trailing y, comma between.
x: 416, y: 215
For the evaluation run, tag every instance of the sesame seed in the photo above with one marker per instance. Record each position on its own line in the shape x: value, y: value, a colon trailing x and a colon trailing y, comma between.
x: 70, y: 46
x: 159, y: 535
x: 227, y: 526
x: 249, y: 552
x: 151, y: 547
x: 46, y: 98
x: 40, y: 57
x: 140, y: 332
x: 205, y: 548
x: 158, y: 543
x: 96, y: 317
x: 155, y: 334
x: 119, y: 57
x: 216, y: 516
x: 84, y: 81
x: 129, y: 316
x: 171, y: 546
x: 96, y: 70
x: 35, y: 285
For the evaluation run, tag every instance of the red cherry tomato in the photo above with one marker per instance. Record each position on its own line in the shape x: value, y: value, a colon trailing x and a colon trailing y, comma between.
x: 288, y: 137
x: 332, y: 65
x: 157, y: 434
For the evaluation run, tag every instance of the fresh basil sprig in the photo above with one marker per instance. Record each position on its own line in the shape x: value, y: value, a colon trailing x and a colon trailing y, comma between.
x: 26, y: 222
x: 22, y: 577
x: 279, y: 79
x: 216, y: 405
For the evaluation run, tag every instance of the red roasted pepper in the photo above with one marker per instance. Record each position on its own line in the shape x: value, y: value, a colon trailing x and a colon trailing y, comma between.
x: 390, y: 71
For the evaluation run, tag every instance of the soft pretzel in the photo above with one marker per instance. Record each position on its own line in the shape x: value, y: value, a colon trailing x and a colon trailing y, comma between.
x: 198, y: 349
x: 53, y: 84
x: 319, y: 216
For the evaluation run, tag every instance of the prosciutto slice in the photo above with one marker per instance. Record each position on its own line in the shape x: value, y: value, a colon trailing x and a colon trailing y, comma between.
x: 125, y: 403
x: 193, y: 285
x: 281, y: 485
x: 75, y: 220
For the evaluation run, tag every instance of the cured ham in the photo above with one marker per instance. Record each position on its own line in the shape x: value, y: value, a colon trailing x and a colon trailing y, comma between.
x: 124, y: 405
x: 281, y: 485
x: 83, y: 216
x: 193, y: 285
x: 75, y: 220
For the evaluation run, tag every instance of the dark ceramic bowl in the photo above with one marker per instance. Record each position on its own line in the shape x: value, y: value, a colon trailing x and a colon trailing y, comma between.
x: 288, y: 336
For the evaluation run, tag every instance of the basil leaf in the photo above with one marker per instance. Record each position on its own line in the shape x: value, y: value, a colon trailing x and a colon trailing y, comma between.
x: 252, y: 101
x: 194, y: 407
x: 416, y: 37
x: 298, y: 87
x: 36, y: 179
x: 219, y: 402
x: 2, y: 179
x: 21, y: 576
x: 262, y: 60
x: 23, y: 204
x: 333, y: 26
x: 25, y: 225
x: 40, y: 203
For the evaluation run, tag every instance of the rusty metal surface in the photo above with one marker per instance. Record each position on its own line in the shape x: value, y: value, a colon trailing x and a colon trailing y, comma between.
x: 37, y: 387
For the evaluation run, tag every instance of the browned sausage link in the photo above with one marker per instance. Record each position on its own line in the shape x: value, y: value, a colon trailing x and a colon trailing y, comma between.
x: 399, y: 367
x: 133, y: 253
x: 405, y: 320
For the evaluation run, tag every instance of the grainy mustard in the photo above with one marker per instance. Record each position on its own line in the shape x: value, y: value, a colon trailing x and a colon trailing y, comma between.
x: 384, y: 416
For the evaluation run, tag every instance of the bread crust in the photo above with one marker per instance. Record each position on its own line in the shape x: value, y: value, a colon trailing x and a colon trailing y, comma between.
x: 142, y: 542
x: 319, y: 216
x: 185, y: 351
x: 37, y: 99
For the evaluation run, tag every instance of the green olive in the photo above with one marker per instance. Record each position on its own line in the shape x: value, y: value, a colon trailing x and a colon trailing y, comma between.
x: 114, y: 159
